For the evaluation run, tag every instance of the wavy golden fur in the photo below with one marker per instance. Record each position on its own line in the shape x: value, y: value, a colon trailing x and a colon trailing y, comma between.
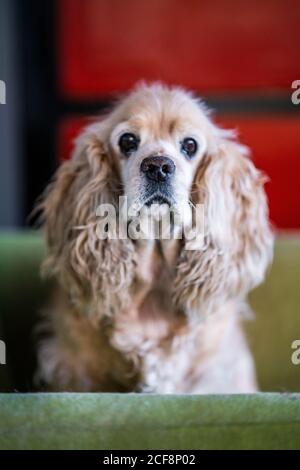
x: 151, y: 315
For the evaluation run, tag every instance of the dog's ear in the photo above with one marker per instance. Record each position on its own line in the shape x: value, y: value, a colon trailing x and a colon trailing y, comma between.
x: 84, y: 264
x: 238, y: 242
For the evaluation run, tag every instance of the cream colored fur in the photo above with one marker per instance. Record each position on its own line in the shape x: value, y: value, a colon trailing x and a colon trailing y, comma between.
x: 151, y: 315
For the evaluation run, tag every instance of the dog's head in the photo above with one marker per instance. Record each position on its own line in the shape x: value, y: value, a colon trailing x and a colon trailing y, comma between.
x: 158, y: 145
x: 158, y: 138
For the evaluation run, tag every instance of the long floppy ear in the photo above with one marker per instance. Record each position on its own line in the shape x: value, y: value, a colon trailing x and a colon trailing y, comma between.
x: 86, y: 266
x: 238, y: 242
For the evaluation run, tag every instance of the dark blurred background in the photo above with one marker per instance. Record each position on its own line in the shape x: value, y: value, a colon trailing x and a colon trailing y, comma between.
x: 64, y: 60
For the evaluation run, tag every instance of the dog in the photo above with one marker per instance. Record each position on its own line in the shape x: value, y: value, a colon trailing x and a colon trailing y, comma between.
x: 157, y: 315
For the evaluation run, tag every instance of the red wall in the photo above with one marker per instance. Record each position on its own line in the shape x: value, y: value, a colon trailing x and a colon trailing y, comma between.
x: 107, y: 45
x: 215, y: 47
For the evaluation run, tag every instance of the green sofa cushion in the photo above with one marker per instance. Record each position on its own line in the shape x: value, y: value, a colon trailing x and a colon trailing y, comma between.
x: 131, y: 421
x: 22, y: 298
x: 276, y: 320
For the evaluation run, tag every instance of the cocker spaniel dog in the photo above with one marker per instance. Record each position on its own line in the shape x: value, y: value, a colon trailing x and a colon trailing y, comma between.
x: 154, y: 314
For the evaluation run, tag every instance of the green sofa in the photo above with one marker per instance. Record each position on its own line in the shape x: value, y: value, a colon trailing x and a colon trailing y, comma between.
x: 31, y: 420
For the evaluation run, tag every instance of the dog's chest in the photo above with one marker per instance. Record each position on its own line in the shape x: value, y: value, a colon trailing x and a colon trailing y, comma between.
x: 154, y: 274
x: 152, y: 314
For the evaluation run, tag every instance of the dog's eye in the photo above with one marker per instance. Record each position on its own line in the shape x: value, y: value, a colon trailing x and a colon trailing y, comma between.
x: 128, y: 143
x: 189, y: 147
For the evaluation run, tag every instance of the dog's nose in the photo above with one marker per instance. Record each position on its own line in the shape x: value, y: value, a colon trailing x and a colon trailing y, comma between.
x: 158, y: 168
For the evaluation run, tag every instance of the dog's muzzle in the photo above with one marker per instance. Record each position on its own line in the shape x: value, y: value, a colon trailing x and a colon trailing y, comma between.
x: 158, y: 172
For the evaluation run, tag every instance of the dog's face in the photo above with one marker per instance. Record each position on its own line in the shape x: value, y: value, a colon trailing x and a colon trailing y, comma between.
x: 159, y: 140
